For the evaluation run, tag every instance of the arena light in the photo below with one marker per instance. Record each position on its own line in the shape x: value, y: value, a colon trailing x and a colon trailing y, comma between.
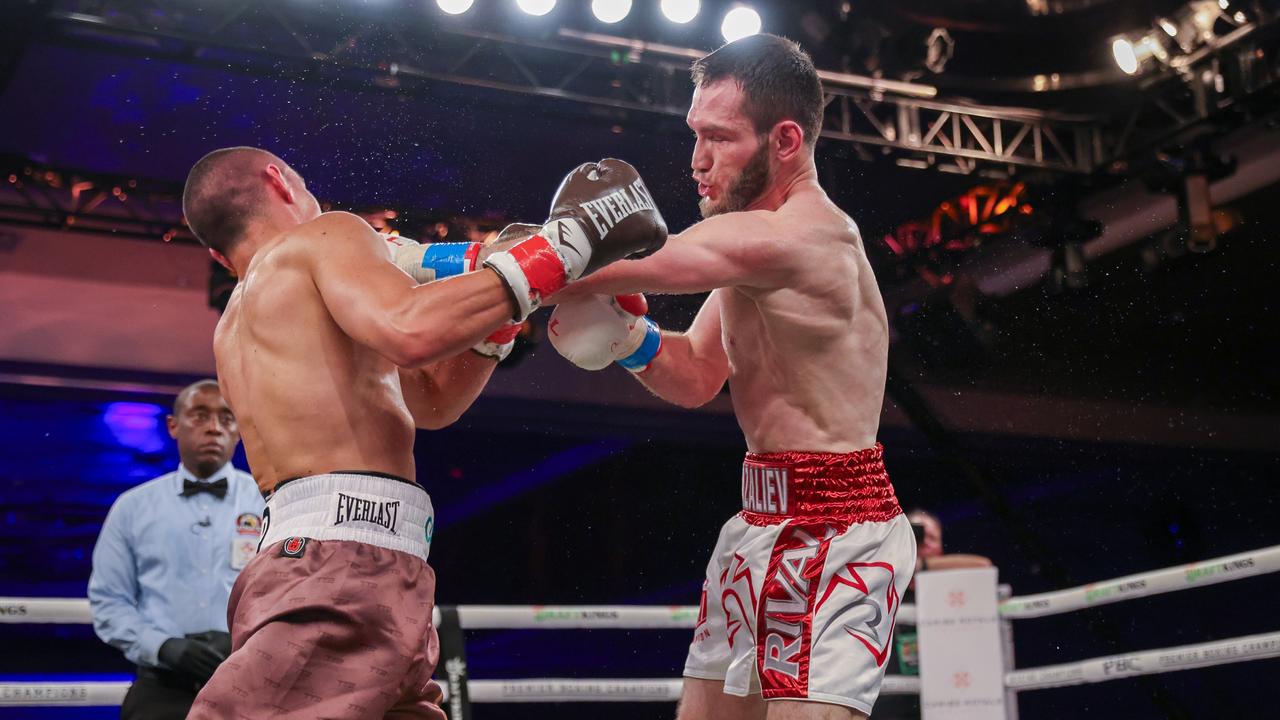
x: 740, y: 22
x: 610, y: 11
x: 537, y: 8
x: 1129, y: 55
x: 1122, y: 50
x: 680, y: 11
x: 455, y: 7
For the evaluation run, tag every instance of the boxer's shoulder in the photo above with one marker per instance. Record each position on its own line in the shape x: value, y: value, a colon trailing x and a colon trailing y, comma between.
x: 331, y: 234
x: 332, y: 230
x: 817, y: 222
x: 336, y: 221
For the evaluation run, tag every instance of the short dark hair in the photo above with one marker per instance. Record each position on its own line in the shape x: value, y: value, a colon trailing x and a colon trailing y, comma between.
x: 921, y: 511
x: 224, y: 194
x: 777, y: 77
x: 184, y: 395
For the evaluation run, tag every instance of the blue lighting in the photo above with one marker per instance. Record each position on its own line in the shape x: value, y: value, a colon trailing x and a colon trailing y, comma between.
x: 64, y: 677
x: 136, y: 425
x: 524, y: 481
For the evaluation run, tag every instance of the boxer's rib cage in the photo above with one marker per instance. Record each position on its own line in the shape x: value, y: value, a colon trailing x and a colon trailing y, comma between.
x: 561, y: 617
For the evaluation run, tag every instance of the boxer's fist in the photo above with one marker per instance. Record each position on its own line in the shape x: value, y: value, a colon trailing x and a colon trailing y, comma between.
x: 615, y: 212
x: 602, y: 212
x: 594, y: 331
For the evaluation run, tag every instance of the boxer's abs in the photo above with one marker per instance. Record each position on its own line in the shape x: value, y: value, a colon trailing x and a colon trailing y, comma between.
x: 309, y: 399
x: 807, y: 369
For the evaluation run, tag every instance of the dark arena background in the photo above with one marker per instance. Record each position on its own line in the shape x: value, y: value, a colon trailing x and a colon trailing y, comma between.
x: 1071, y: 207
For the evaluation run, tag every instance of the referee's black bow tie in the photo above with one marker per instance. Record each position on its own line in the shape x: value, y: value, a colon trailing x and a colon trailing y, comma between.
x: 217, y: 488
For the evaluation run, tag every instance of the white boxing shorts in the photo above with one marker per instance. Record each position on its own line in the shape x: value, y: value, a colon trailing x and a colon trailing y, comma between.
x: 804, y: 584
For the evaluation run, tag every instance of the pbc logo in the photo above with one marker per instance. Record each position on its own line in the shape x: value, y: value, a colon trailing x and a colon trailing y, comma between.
x: 353, y: 508
x: 1121, y: 666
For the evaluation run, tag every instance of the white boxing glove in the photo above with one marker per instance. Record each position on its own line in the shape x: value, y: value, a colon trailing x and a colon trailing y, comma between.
x: 592, y: 332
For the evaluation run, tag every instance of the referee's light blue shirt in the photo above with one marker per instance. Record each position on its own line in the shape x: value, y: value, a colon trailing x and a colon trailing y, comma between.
x: 163, y: 565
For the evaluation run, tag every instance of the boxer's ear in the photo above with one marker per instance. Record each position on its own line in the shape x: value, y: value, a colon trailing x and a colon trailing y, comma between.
x: 788, y: 140
x: 278, y: 183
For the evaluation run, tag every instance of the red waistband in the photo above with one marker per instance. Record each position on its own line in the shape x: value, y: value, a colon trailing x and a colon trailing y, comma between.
x: 852, y: 486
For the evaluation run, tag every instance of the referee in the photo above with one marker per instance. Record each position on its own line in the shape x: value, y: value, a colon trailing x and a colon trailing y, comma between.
x: 168, y: 554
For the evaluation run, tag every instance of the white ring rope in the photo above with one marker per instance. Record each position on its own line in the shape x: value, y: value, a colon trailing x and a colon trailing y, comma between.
x: 479, y: 617
x: 484, y: 617
x: 1184, y: 657
x: 45, y: 610
x: 48, y: 694
x: 1208, y: 572
x: 492, y: 617
x: 472, y: 617
x: 538, y: 690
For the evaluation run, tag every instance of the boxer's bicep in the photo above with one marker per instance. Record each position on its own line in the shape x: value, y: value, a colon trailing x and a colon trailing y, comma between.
x: 706, y: 337
x: 751, y: 247
x: 741, y: 249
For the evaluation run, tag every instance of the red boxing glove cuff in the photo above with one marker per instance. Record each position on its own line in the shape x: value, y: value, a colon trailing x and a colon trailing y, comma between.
x: 505, y: 334
x: 542, y: 265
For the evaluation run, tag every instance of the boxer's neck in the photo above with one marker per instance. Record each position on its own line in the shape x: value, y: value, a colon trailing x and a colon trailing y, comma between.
x: 785, y: 184
x: 261, y: 233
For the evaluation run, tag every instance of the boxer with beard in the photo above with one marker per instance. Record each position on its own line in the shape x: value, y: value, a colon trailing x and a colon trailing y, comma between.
x: 803, y: 586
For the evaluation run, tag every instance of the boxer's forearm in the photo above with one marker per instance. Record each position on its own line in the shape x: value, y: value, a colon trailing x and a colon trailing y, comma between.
x: 437, y: 395
x: 381, y: 308
x: 445, y: 318
x: 681, y: 376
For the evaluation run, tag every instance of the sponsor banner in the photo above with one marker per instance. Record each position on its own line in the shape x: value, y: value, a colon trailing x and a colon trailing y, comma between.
x: 960, y: 648
x: 1209, y: 572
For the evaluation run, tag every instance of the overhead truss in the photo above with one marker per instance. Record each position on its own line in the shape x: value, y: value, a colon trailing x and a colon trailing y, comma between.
x: 619, y: 76
x: 79, y: 201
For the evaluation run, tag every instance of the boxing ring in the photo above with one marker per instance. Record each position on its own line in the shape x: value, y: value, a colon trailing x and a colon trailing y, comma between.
x: 460, y: 690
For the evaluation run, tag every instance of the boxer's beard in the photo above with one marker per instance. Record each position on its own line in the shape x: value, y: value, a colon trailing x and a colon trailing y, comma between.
x: 746, y: 188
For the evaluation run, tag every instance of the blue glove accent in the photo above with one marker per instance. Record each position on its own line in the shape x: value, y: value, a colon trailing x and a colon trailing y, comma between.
x: 648, y: 350
x: 446, y: 259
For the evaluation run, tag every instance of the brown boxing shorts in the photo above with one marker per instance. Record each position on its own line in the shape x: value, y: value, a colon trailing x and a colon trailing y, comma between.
x: 333, y: 618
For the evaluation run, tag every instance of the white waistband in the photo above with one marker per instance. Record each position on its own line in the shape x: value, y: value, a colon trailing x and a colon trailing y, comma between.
x: 363, y: 508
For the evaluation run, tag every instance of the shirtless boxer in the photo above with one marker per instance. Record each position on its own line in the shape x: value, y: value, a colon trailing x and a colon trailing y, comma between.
x: 802, y: 590
x: 331, y: 356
